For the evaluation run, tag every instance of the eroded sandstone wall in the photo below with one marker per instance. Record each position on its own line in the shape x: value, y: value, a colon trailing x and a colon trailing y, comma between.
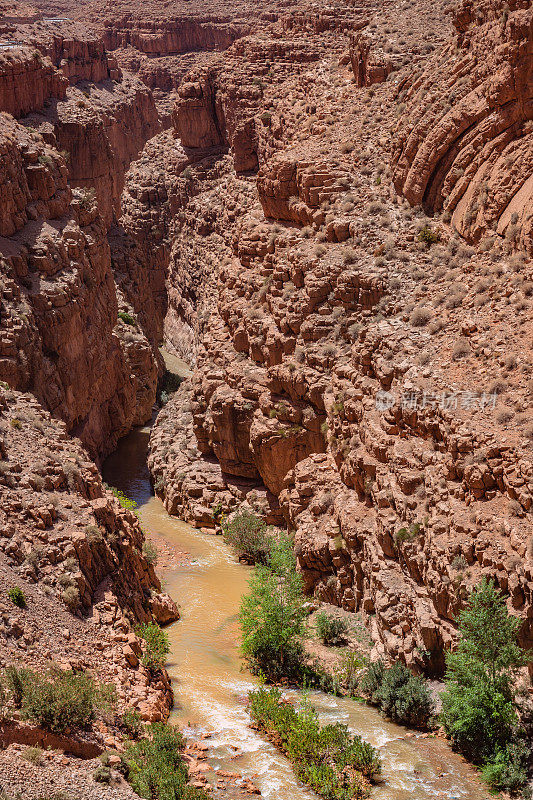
x: 466, y: 145
x: 350, y: 378
x: 60, y: 334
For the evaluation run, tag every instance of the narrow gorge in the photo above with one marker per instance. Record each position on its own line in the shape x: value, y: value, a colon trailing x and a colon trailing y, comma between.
x: 275, y: 261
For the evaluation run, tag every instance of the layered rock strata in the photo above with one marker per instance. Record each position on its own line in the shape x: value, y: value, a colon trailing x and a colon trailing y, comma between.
x: 466, y: 143
x: 351, y: 357
x: 60, y: 334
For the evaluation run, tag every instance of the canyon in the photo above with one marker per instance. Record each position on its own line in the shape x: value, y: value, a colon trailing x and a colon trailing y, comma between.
x: 326, y: 211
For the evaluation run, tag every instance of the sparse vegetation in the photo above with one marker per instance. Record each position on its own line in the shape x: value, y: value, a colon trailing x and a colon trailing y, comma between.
x: 58, y: 700
x: 331, y: 630
x: 420, y: 316
x: 156, y: 645
x: 127, y: 318
x: 87, y: 196
x: 150, y: 552
x: 132, y: 722
x: 102, y: 774
x: 71, y: 596
x: 17, y: 597
x: 428, y: 236
x: 34, y: 755
x: 124, y: 501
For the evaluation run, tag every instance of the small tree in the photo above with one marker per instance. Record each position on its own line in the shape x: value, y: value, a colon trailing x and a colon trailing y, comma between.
x: 156, y: 645
x: 272, y: 615
x: 478, y: 706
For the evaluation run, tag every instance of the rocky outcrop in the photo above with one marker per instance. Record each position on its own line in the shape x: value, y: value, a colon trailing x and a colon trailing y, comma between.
x: 28, y: 81
x: 294, y: 191
x: 103, y: 128
x: 369, y: 66
x: 170, y: 37
x: 466, y: 148
x: 77, y: 556
x: 80, y: 102
x: 214, y: 114
x: 221, y: 108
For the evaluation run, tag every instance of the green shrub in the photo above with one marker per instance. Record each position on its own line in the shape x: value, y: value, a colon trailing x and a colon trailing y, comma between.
x: 372, y: 680
x: 331, y: 630
x: 16, y: 680
x: 33, y: 754
x: 102, y: 774
x: 402, y: 696
x: 329, y: 759
x: 16, y: 595
x: 150, y: 552
x: 124, y: 501
x: 478, y: 706
x: 406, y: 534
x: 71, y: 597
x: 507, y: 769
x: 59, y: 700
x: 249, y: 536
x: 156, y: 644
x: 405, y: 698
x: 126, y: 318
x: 87, y: 196
x: 132, y: 722
x: 156, y: 768
x: 272, y: 616
x: 428, y: 236
x: 170, y: 383
x: 349, y: 672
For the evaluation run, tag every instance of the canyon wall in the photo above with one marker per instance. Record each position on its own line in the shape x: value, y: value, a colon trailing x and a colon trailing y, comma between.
x: 60, y: 334
x: 359, y: 377
x: 81, y: 123
x: 465, y: 144
x: 335, y: 232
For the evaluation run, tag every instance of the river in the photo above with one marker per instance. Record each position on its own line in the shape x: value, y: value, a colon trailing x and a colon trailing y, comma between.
x: 209, y: 682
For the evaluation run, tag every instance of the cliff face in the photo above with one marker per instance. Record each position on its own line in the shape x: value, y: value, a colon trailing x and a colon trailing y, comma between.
x: 82, y: 123
x: 351, y: 378
x: 78, y: 98
x: 59, y: 331
x: 467, y: 147
x: 27, y: 81
x: 160, y: 38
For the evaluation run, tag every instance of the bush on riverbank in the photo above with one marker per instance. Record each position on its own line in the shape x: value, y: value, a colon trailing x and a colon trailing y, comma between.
x: 329, y: 759
x: 272, y: 616
x: 156, y: 769
x: 249, y: 537
x: 331, y: 630
x: 402, y: 696
x: 156, y: 645
x: 479, y: 706
x: 59, y: 700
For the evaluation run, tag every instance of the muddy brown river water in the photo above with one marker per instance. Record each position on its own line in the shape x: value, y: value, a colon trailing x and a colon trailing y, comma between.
x: 210, y: 684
